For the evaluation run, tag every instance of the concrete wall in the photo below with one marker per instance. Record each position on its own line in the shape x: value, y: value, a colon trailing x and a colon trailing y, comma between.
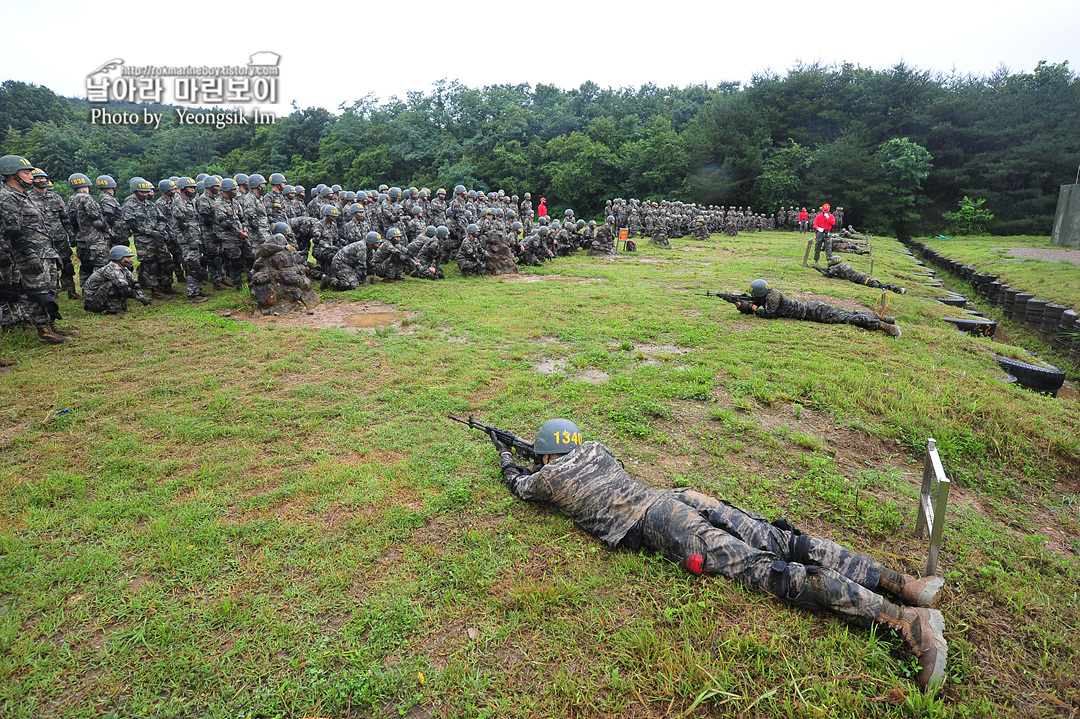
x: 1067, y: 218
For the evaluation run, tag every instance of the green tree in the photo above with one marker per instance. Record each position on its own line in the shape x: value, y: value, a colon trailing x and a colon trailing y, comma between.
x: 903, y: 167
x: 969, y: 219
x: 781, y: 181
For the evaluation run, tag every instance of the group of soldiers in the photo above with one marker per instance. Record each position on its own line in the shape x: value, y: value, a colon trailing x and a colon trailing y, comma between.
x: 205, y: 233
x: 667, y: 219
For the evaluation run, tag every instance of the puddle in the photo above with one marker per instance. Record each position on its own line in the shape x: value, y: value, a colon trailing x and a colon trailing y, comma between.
x: 348, y: 316
x: 373, y: 319
x: 550, y: 366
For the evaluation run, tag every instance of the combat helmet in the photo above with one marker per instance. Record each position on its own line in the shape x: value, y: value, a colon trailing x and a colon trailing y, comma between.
x: 77, y: 180
x: 759, y: 288
x: 557, y: 436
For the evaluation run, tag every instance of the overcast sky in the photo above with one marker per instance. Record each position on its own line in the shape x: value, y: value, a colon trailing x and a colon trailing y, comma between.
x: 333, y: 53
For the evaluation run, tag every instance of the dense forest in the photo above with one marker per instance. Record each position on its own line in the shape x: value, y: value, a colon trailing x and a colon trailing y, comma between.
x: 897, y: 148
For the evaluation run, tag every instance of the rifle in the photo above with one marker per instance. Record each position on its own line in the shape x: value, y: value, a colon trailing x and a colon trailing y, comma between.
x: 522, y: 446
x: 728, y: 297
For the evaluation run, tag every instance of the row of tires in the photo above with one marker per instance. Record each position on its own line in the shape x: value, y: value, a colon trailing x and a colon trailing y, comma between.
x: 1056, y: 323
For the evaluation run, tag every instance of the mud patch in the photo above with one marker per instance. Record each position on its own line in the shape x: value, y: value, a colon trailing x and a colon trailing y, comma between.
x: 592, y: 376
x: 550, y: 366
x: 549, y: 278
x: 348, y: 316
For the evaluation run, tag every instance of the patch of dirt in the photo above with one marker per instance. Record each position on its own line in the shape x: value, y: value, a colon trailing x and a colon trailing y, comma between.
x: 136, y: 584
x: 592, y: 376
x: 1050, y: 255
x: 652, y: 260
x: 550, y: 366
x: 348, y: 316
x: 9, y: 433
x: 548, y: 278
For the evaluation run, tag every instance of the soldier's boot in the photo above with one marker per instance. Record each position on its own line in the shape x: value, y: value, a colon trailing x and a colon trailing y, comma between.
x: 62, y: 333
x: 157, y: 294
x: 221, y: 286
x: 73, y: 295
x: 49, y: 337
x: 196, y: 299
x: 912, y: 591
x: 5, y: 363
x: 891, y: 330
x: 324, y: 282
x: 923, y: 631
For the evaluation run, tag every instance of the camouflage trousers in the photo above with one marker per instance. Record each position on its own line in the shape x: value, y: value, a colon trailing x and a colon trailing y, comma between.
x: 191, y: 258
x: 816, y: 311
x: 823, y: 242
x: 91, y: 257
x: 155, y: 269
x: 767, y: 557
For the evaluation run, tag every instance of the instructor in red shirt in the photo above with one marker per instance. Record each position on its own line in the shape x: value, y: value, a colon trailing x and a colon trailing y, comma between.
x: 541, y: 209
x: 822, y: 224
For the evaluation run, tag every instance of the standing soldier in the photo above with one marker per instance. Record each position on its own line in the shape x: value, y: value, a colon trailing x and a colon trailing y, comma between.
x: 141, y: 220
x: 823, y: 223
x: 213, y: 256
x: 437, y: 208
x: 186, y: 228
x: 298, y: 202
x: 27, y: 252
x: 59, y: 228
x: 256, y: 220
x: 275, y: 202
x: 168, y: 190
x: 91, y: 231
x: 228, y: 228
x: 111, y: 211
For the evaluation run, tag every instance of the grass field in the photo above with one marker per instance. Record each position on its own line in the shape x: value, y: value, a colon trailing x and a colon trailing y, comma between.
x: 1052, y: 280
x: 247, y: 520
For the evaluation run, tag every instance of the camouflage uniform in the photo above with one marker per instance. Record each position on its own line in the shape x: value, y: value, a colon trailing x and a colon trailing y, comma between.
x: 349, y: 266
x: 777, y: 304
x: 155, y: 262
x: 164, y: 207
x: 391, y: 214
x: 227, y: 228
x: 659, y: 233
x: 533, y: 252
x: 427, y: 251
x: 844, y: 271
x: 108, y: 289
x: 91, y: 243
x: 59, y: 228
x: 113, y: 214
x: 436, y: 211
x: 471, y: 257
x: 22, y: 222
x: 256, y: 220
x: 388, y: 262
x: 186, y: 229
x: 589, y: 486
x: 213, y: 257
x: 326, y: 241
x: 275, y: 207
